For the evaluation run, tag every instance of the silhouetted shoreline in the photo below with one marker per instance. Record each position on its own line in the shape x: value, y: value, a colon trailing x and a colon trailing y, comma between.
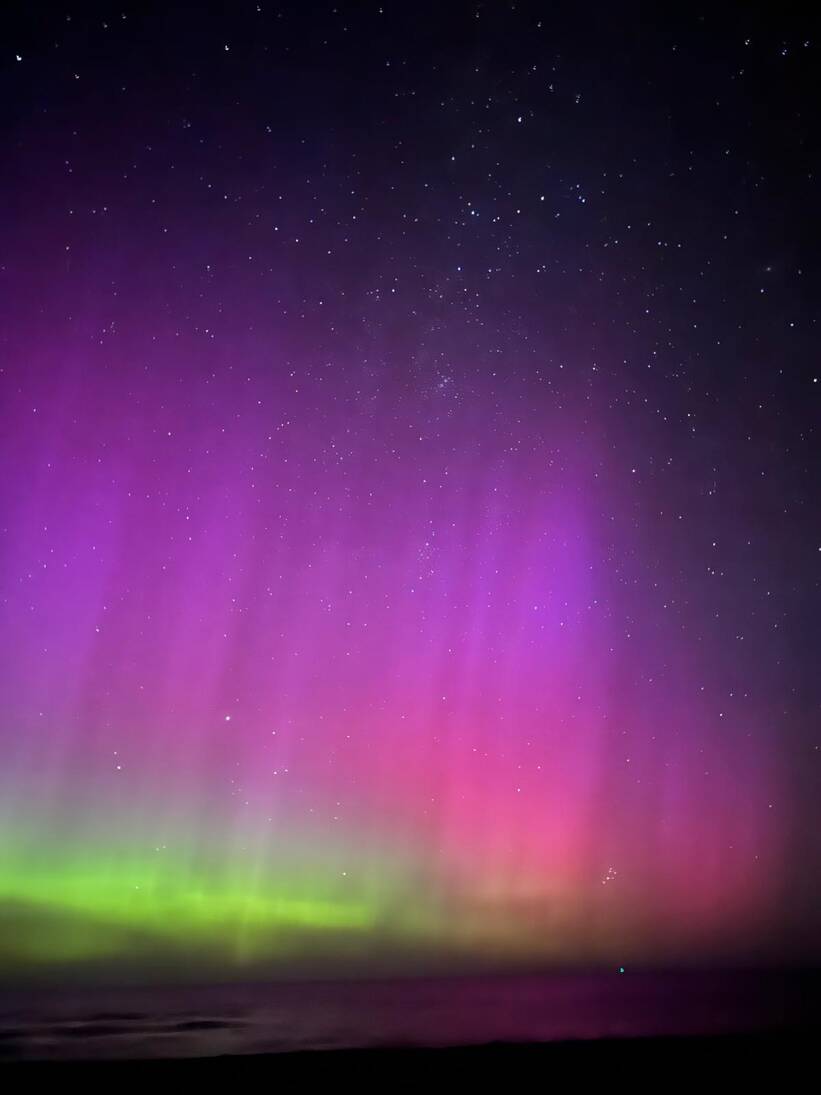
x: 666, y: 1061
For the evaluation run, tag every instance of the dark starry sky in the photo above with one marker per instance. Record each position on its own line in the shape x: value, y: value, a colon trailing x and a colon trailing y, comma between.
x: 413, y: 291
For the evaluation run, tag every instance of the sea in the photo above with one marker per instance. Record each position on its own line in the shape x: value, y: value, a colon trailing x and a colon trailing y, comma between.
x: 122, y: 1023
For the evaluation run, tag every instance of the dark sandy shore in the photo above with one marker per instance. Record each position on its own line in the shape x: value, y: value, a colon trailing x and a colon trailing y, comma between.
x: 786, y: 1058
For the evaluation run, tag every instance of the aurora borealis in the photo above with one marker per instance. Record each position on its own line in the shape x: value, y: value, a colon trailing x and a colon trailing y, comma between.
x: 409, y: 491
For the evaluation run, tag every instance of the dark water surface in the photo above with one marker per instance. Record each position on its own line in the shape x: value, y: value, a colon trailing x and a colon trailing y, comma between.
x: 197, y: 1021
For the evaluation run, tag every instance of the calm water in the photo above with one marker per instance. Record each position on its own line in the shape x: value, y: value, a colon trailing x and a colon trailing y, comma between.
x: 201, y: 1021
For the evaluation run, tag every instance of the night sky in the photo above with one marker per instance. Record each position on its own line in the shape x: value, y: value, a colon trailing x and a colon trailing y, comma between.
x: 409, y: 525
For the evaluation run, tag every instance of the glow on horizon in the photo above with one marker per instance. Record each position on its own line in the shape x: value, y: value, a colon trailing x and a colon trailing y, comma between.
x: 429, y: 698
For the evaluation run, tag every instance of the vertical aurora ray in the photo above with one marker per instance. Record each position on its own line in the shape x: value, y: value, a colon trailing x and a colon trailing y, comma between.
x: 244, y: 713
